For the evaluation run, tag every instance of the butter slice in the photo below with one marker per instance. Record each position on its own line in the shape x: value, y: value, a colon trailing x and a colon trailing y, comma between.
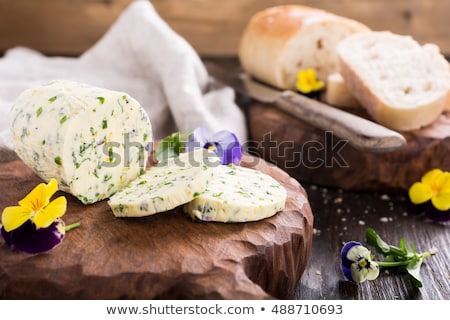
x: 238, y: 194
x: 166, y: 185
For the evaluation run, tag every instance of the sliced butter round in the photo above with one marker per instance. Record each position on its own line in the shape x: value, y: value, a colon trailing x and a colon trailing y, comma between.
x: 238, y: 194
x: 166, y: 185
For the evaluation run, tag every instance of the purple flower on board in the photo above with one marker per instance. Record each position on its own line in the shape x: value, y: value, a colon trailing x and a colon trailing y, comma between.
x: 223, y: 143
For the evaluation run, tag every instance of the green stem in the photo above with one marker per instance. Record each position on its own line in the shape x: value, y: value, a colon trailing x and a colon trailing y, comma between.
x: 390, y: 264
x: 72, y: 226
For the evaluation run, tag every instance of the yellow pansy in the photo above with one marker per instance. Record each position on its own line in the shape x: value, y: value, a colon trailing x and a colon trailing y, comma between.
x: 36, y: 206
x: 307, y: 81
x: 434, y: 186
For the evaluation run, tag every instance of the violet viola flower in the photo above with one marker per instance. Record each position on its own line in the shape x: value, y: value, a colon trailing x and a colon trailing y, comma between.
x: 356, y: 263
x: 35, y: 225
x: 223, y: 143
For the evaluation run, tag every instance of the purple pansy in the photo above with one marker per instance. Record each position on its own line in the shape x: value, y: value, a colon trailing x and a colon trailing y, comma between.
x: 356, y: 263
x: 223, y: 143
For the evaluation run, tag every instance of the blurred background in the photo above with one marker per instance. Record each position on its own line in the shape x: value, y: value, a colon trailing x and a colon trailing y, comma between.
x: 212, y: 27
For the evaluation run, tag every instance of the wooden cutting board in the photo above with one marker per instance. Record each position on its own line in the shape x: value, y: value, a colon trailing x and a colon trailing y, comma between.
x: 313, y: 156
x: 165, y: 256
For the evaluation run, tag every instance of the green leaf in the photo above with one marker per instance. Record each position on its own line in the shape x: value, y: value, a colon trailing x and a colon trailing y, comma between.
x: 375, y: 240
x: 399, y: 252
x: 413, y: 269
x: 413, y: 249
x: 403, y: 244
x: 171, y: 146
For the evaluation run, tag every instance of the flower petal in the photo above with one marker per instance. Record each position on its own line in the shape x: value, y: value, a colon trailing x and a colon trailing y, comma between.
x: 14, y: 217
x: 347, y: 273
x: 344, y: 253
x: 420, y: 193
x: 201, y: 135
x: 50, y: 213
x: 373, y: 271
x: 40, y: 196
x: 357, y: 252
x: 441, y: 201
x: 360, y: 275
x: 229, y: 148
x: 31, y: 240
x: 307, y: 81
x: 431, y: 176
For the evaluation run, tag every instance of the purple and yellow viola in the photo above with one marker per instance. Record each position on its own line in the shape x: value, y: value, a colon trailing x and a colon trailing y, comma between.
x: 35, y: 225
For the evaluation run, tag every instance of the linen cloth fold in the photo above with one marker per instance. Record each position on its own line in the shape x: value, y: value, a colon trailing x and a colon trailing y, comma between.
x: 142, y: 56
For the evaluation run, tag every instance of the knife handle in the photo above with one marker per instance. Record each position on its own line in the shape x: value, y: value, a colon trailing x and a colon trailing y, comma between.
x: 359, y: 132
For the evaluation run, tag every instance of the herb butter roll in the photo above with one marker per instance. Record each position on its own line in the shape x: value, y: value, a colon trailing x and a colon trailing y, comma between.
x: 238, y: 194
x: 92, y: 140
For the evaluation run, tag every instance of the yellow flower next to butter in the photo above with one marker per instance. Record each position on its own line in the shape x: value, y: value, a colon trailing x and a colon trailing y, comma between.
x: 36, y: 207
x: 307, y: 81
x: 434, y: 186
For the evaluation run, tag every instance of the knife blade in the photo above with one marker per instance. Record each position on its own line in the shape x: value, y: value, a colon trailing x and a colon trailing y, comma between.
x: 361, y: 133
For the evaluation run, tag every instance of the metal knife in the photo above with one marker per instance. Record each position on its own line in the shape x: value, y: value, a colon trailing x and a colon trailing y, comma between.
x: 361, y: 133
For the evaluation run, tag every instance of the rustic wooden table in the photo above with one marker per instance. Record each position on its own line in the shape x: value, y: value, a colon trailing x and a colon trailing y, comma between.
x: 340, y: 216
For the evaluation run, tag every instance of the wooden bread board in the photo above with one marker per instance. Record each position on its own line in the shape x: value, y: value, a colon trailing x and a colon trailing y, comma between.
x: 313, y: 156
x: 164, y: 256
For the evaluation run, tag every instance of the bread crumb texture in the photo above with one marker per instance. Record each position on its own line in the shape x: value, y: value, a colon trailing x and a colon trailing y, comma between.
x: 401, y: 84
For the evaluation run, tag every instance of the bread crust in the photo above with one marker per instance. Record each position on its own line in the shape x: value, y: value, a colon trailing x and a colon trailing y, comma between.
x: 276, y: 39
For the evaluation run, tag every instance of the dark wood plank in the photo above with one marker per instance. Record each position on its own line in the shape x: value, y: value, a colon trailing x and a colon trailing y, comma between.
x: 343, y: 216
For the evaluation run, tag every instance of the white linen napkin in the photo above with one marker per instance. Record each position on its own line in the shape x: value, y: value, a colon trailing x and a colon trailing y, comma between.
x: 142, y: 56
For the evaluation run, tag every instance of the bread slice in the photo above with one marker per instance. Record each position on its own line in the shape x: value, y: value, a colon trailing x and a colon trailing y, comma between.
x: 337, y: 93
x: 401, y: 84
x: 279, y: 41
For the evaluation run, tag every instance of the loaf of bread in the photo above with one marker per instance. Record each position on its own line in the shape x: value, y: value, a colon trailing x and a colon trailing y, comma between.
x: 400, y: 83
x: 280, y: 41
